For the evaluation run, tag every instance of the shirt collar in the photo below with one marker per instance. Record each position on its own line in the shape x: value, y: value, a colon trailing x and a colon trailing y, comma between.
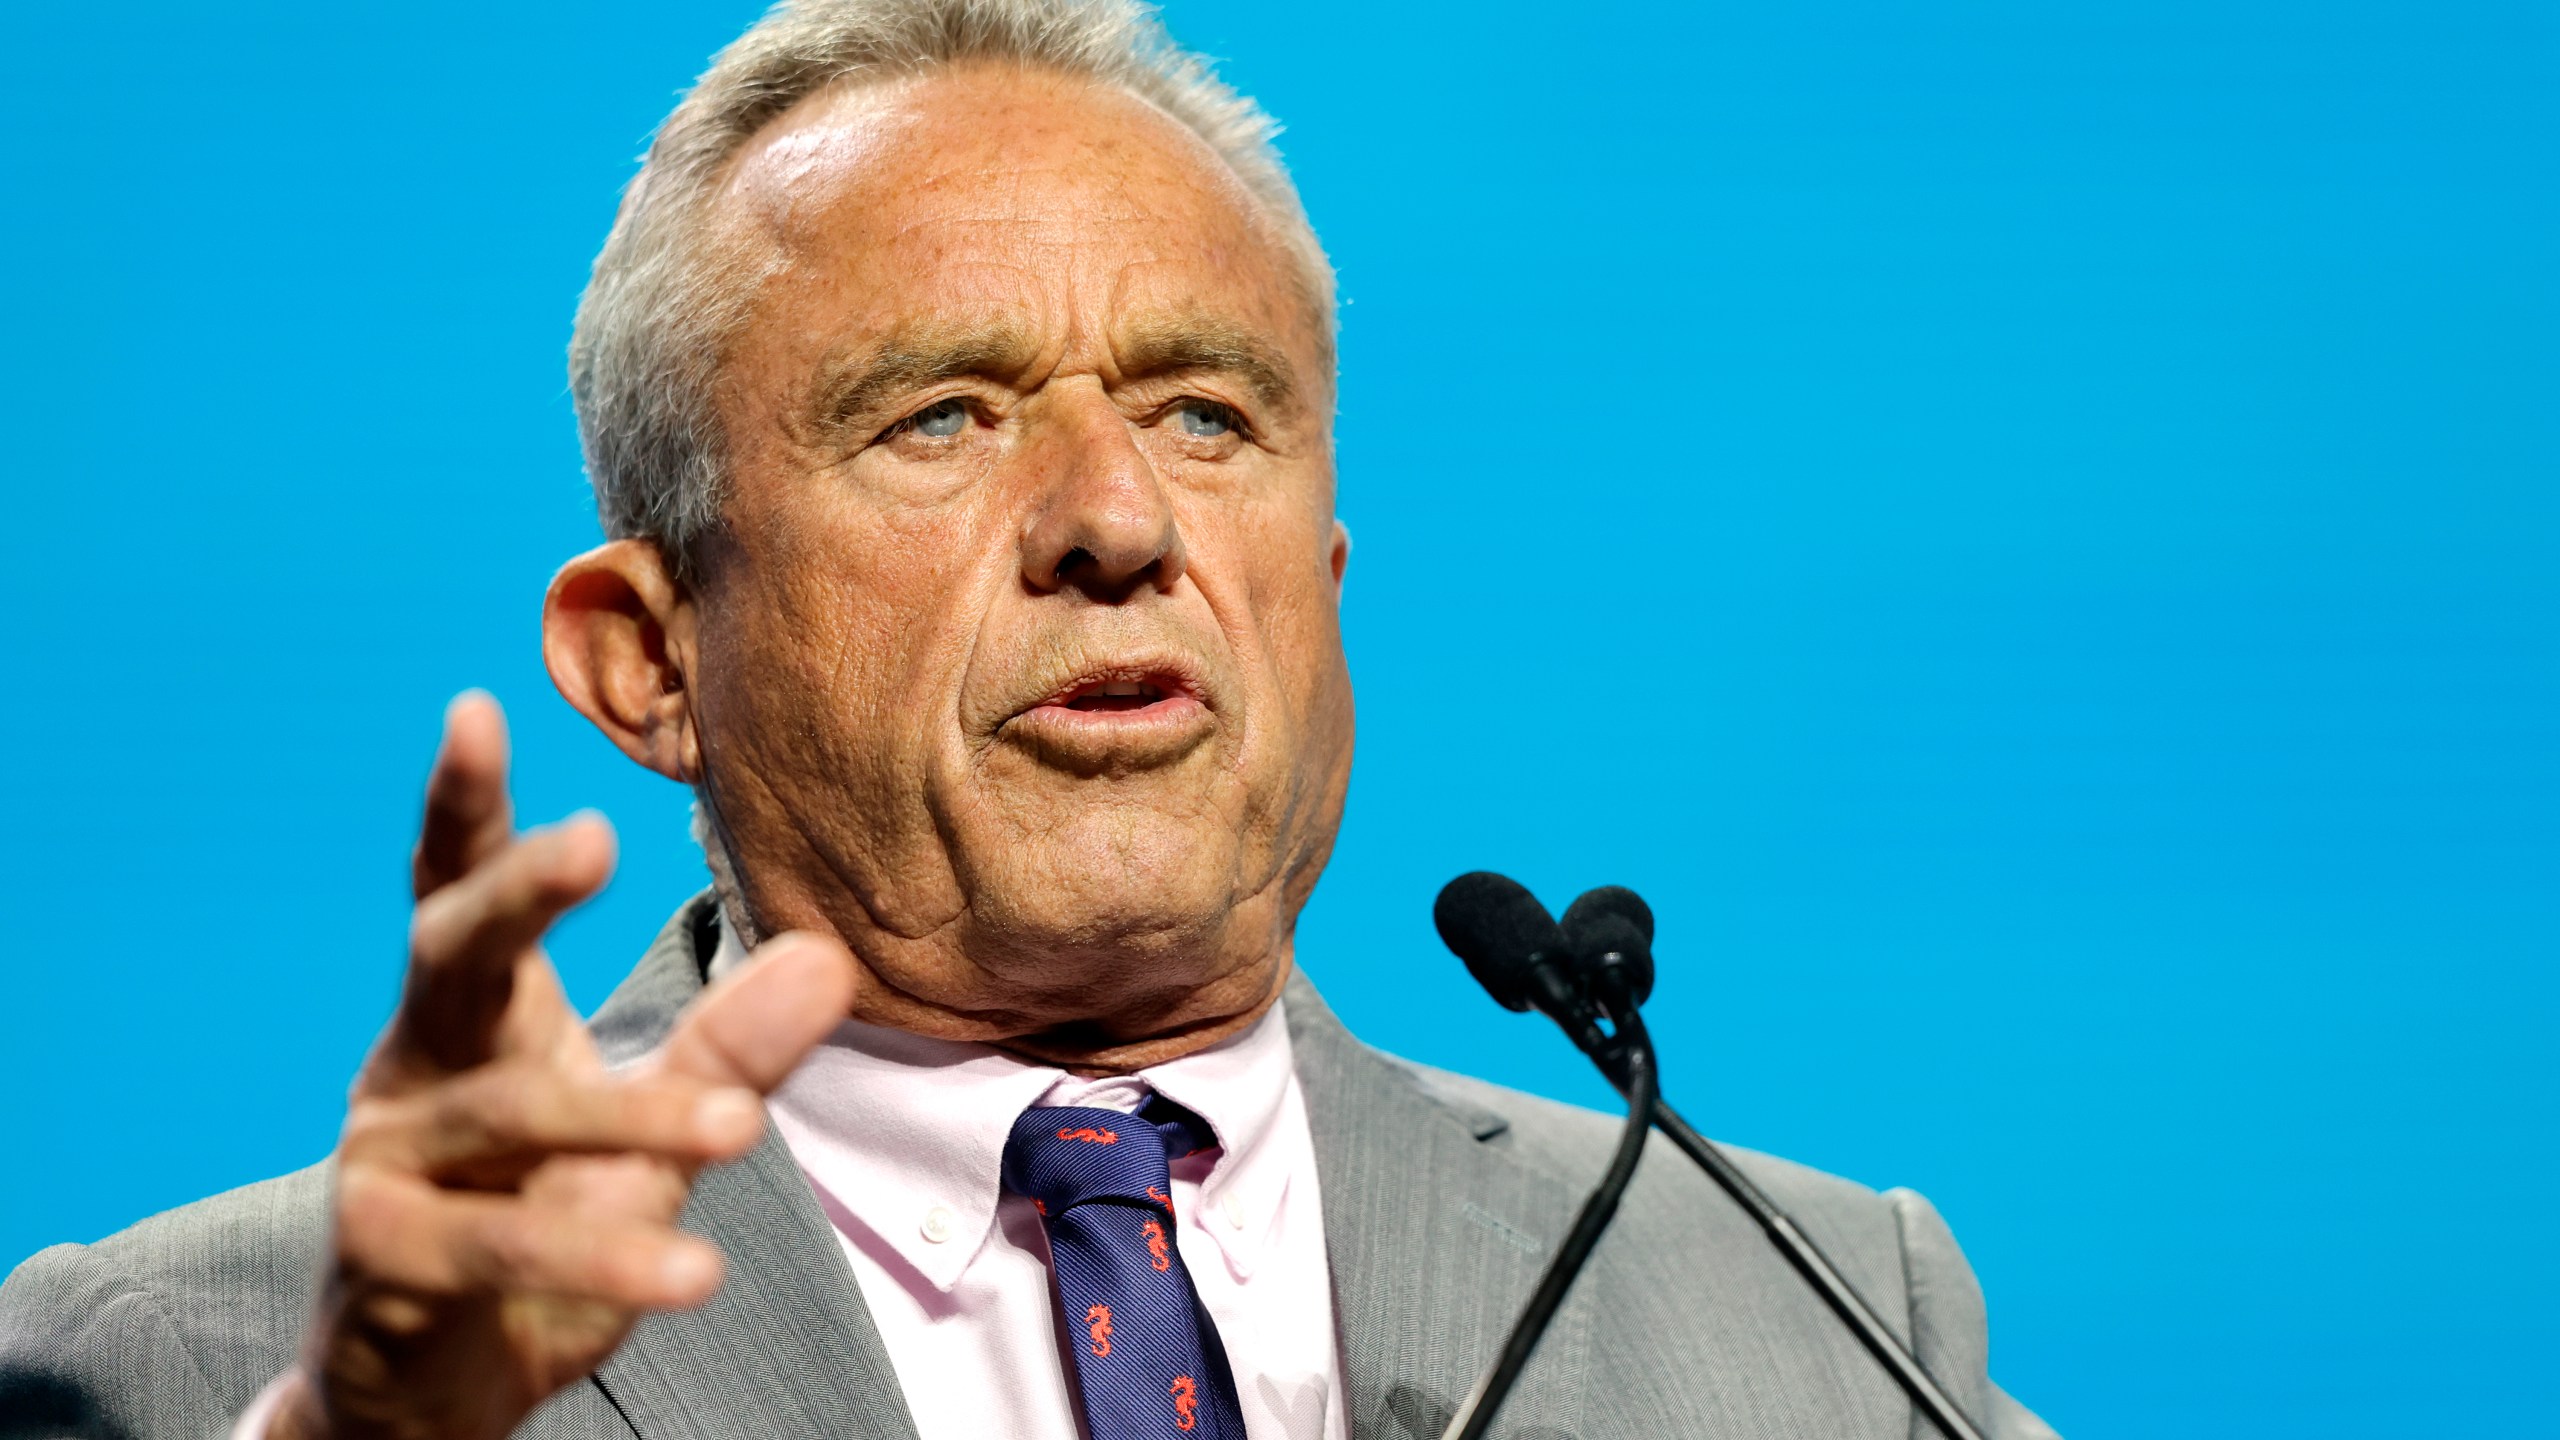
x: 903, y: 1136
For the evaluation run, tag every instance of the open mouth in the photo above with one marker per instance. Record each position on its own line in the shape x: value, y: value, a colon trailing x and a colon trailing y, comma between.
x: 1129, y: 716
x: 1133, y: 694
x: 1112, y: 695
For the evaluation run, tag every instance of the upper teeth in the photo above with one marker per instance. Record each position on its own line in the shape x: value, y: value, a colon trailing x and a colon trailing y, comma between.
x: 1130, y: 689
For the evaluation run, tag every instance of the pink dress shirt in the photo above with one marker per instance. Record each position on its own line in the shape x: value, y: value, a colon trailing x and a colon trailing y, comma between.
x: 903, y: 1140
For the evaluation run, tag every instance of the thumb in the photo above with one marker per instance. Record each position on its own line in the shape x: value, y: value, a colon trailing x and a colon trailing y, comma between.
x: 753, y: 1026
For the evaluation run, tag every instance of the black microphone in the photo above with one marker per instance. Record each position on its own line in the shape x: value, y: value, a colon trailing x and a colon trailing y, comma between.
x: 1516, y: 950
x: 1616, y: 900
x: 1521, y: 956
x: 1610, y: 931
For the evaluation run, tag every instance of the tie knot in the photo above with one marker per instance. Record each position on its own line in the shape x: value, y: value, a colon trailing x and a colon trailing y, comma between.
x: 1064, y: 1155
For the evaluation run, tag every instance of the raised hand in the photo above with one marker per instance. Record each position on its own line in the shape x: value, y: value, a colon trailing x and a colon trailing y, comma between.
x: 505, y: 1205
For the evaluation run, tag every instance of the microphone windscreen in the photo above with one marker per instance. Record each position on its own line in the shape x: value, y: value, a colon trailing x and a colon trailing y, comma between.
x: 1616, y: 900
x: 1612, y: 934
x: 1494, y: 924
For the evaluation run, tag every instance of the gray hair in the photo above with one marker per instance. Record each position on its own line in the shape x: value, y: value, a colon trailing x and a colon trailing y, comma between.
x: 660, y: 307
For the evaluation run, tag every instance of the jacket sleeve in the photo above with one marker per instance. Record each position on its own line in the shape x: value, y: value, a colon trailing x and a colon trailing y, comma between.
x: 87, y: 1351
x: 1949, y: 1333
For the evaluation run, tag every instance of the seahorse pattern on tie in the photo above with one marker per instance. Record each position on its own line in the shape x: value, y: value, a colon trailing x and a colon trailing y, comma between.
x: 1148, y: 1361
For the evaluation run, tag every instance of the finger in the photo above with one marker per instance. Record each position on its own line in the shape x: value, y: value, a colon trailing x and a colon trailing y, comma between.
x: 468, y: 814
x: 489, y: 1126
x: 466, y: 939
x: 754, y: 1026
x: 399, y: 1230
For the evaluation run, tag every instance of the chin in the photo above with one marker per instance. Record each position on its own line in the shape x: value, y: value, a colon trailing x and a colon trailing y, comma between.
x: 1155, y: 908
x: 1108, y: 916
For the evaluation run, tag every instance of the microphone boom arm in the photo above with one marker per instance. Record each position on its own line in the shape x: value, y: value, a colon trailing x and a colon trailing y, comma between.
x: 1632, y: 1069
x: 1598, y: 967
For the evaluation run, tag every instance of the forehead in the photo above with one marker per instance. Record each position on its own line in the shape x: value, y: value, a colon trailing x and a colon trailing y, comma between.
x: 1038, y: 197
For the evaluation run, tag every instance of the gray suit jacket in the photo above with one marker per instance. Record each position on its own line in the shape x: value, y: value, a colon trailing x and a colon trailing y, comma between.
x: 1442, y: 1199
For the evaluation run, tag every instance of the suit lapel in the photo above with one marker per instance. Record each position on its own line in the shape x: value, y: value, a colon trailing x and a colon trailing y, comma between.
x: 787, y: 1347
x: 1435, y: 1238
x: 1434, y: 1235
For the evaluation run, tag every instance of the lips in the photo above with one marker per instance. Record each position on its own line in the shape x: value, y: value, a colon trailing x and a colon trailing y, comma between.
x: 1119, y: 694
x: 1132, y: 715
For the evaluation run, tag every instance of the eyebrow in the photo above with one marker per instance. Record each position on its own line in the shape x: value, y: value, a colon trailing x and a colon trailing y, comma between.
x: 855, y: 385
x: 852, y: 386
x: 1206, y: 342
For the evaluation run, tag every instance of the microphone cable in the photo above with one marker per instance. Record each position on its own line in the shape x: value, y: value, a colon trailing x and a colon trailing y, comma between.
x: 1819, y: 1272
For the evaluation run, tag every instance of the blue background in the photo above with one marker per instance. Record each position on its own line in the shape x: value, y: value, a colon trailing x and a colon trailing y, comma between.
x: 2032, y: 532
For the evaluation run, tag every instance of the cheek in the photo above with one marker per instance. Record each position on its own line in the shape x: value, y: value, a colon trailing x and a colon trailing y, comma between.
x: 862, y: 620
x: 1280, y: 555
x: 1286, y: 555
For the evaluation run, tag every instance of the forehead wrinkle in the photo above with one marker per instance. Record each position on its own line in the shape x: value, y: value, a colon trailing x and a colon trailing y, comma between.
x: 1161, y: 344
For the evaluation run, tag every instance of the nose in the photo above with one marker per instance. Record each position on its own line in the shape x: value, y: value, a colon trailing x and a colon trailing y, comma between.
x: 1103, y: 523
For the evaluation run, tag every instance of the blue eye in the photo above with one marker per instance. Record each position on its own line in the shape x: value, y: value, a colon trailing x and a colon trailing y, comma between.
x: 1205, y: 419
x: 941, y: 420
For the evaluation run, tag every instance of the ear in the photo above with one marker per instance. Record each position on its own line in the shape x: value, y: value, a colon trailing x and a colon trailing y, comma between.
x: 618, y: 633
x: 1340, y: 556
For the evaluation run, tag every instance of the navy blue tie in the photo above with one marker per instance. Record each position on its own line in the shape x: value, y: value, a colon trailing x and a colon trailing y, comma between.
x: 1148, y: 1361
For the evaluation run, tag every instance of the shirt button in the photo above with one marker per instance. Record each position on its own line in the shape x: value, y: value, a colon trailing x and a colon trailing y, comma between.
x: 1230, y: 1208
x: 937, y: 1224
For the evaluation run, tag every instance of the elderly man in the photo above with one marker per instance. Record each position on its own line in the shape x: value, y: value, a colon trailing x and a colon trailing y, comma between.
x: 956, y: 385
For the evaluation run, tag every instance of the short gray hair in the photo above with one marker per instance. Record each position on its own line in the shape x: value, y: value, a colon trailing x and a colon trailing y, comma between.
x: 660, y: 306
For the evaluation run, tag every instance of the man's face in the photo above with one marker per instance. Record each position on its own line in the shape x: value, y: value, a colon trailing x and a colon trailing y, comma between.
x: 1019, y: 663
